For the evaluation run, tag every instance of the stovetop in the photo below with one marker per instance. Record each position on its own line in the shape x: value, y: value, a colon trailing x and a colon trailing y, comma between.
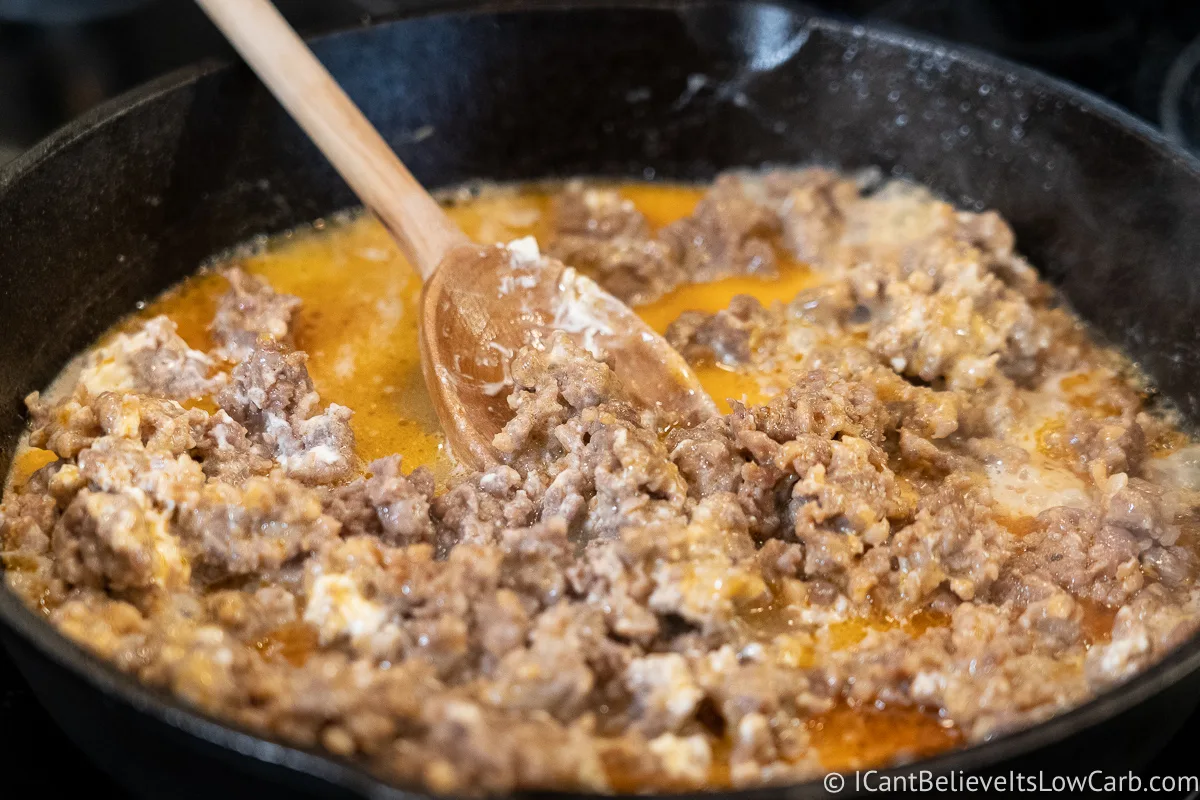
x: 1144, y: 56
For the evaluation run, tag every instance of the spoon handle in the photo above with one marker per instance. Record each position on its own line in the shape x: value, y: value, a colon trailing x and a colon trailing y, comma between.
x: 309, y: 93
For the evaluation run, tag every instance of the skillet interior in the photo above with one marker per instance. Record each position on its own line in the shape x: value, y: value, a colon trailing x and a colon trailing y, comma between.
x: 129, y: 200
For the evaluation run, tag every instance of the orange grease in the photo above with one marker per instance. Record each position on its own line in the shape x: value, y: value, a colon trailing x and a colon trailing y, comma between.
x: 293, y: 642
x: 848, y: 738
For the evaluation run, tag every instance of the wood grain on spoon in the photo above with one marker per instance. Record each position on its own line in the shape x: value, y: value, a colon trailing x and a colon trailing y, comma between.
x: 480, y: 304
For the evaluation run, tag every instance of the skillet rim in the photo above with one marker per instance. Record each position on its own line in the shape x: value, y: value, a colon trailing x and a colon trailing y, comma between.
x: 17, y: 618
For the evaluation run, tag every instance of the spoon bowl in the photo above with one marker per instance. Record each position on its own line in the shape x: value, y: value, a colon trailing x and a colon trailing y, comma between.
x: 484, y: 303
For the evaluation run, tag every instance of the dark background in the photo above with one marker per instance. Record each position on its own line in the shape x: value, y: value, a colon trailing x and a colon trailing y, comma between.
x: 59, y: 58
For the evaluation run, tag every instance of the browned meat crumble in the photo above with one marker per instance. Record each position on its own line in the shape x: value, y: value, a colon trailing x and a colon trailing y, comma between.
x: 957, y: 504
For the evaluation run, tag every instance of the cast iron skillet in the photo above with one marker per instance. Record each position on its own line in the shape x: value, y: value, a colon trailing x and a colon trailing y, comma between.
x: 122, y: 204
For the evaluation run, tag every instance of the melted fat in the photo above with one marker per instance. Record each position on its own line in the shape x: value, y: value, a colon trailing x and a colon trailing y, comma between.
x: 359, y: 327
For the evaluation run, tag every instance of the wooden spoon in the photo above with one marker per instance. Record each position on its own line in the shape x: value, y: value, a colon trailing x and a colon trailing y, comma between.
x: 479, y: 304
